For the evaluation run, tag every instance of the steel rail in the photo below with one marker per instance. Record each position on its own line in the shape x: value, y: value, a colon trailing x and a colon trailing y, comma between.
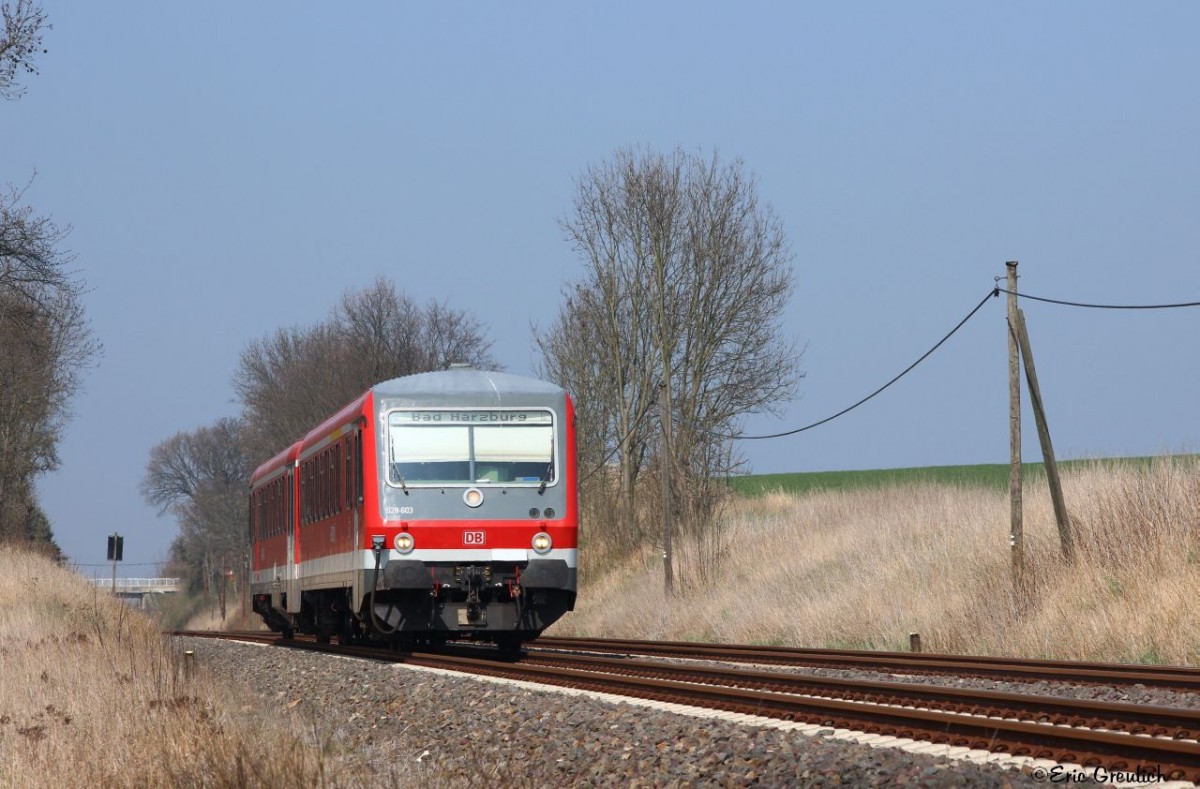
x: 1156, y: 721
x: 1175, y: 677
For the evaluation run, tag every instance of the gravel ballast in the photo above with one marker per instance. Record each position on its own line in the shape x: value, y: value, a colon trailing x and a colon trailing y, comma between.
x: 382, y: 724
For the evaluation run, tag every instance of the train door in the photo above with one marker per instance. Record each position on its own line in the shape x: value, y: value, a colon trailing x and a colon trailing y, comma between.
x: 354, y: 504
x: 292, y: 576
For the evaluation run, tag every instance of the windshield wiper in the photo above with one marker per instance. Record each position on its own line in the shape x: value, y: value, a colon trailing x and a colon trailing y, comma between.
x: 546, y: 477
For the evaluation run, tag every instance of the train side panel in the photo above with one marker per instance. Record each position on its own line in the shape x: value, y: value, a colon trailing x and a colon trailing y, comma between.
x: 273, y: 538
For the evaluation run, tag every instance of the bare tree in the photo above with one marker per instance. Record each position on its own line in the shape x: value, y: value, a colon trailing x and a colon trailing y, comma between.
x: 201, y: 477
x: 291, y: 380
x: 287, y: 383
x: 676, y: 315
x: 183, y: 466
x: 20, y: 43
x: 45, y: 342
x: 32, y: 266
x: 385, y: 333
x: 587, y: 351
x: 45, y: 347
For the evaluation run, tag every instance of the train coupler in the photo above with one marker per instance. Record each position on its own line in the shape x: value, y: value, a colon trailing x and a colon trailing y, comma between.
x: 472, y: 616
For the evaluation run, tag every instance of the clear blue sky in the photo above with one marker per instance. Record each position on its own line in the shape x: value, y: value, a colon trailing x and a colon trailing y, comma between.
x: 231, y: 168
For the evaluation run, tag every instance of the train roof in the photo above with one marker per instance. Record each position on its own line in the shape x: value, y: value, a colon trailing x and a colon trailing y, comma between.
x: 456, y: 385
x: 484, y: 384
x: 281, y: 459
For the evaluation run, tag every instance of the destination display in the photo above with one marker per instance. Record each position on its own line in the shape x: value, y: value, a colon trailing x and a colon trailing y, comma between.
x: 498, y: 417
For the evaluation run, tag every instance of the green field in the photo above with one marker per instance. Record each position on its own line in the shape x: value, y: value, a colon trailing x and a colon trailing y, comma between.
x: 985, y: 475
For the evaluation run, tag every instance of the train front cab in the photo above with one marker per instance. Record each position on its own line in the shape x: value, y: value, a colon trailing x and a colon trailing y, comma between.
x: 479, y: 532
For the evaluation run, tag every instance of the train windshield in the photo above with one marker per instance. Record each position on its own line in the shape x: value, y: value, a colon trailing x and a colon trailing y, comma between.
x: 471, y: 447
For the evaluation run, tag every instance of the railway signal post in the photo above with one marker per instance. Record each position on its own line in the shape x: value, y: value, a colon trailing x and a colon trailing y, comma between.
x: 116, y: 546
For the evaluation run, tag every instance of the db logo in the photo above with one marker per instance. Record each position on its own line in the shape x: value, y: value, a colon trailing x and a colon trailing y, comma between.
x: 474, y: 538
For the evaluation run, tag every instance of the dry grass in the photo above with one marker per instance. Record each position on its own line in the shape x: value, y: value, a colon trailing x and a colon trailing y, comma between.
x: 863, y: 569
x: 92, y: 695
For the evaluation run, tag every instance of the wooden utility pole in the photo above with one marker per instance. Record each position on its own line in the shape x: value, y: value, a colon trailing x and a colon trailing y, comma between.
x: 1016, y: 536
x: 1039, y: 415
x: 664, y: 414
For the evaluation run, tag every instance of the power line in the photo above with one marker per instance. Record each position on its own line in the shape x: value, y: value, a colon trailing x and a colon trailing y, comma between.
x: 995, y: 292
x: 1102, y: 306
x: 991, y: 294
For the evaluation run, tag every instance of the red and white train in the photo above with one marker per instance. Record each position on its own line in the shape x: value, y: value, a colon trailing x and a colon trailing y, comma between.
x: 434, y: 506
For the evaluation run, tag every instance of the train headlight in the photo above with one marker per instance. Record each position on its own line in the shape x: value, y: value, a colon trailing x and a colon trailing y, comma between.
x: 404, y: 542
x: 542, y: 543
x: 473, y: 497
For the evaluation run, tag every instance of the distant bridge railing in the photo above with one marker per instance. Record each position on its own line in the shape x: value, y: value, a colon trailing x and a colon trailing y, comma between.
x: 140, y: 585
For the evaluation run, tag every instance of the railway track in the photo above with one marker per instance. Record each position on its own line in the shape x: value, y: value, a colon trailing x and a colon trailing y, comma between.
x: 1018, y: 669
x: 1125, y: 738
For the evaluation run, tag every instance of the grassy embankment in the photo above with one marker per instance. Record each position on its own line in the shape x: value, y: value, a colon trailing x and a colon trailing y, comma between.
x: 863, y: 559
x: 92, y: 695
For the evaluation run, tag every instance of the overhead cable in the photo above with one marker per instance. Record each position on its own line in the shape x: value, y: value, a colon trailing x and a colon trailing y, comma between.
x: 1101, y: 306
x: 991, y: 294
x: 995, y: 292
